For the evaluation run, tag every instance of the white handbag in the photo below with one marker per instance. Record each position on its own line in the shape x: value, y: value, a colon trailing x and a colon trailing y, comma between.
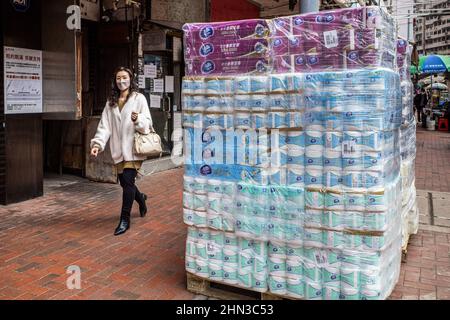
x: 147, y: 145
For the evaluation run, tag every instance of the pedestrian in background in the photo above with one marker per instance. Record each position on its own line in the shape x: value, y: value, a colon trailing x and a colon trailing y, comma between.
x: 420, y: 102
x: 126, y: 112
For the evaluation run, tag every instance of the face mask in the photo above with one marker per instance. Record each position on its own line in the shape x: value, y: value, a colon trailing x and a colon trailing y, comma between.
x: 123, y: 84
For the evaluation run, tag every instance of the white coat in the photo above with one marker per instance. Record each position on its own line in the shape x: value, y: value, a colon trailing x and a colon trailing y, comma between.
x: 118, y: 127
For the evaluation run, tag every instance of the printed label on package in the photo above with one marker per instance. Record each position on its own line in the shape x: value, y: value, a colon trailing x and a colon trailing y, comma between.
x: 330, y: 39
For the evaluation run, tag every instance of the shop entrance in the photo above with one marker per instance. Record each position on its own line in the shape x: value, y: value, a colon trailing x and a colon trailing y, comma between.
x: 161, y: 103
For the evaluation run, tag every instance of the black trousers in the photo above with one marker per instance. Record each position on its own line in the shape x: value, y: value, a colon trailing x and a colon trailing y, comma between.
x: 130, y: 191
x: 420, y: 114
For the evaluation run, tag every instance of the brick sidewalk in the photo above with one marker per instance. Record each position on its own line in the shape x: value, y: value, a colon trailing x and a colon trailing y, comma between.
x: 433, y: 160
x: 73, y: 225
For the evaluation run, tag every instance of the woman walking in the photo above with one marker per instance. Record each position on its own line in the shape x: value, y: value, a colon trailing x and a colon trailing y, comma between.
x: 126, y: 112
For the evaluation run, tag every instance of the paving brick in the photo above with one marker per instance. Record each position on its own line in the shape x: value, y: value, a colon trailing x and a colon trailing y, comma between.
x: 427, y: 295
x: 126, y: 294
x: 42, y: 237
x: 443, y: 271
x: 443, y: 293
x: 427, y: 274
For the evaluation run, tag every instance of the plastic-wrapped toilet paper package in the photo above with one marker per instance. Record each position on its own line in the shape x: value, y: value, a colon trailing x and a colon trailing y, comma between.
x: 330, y: 40
x: 410, y: 211
x: 292, y: 180
x: 328, y: 182
x: 329, y: 186
x: 224, y: 257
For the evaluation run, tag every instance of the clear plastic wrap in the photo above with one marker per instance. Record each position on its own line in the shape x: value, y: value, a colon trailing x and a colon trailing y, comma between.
x: 404, y: 51
x: 292, y: 269
x: 295, y: 159
x: 292, y: 176
x: 410, y: 213
x: 328, y: 40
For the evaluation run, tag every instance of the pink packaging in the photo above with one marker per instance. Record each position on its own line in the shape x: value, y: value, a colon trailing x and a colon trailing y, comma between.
x: 373, y: 17
x: 307, y: 62
x: 281, y: 27
x: 402, y: 46
x: 362, y: 58
x: 282, y: 64
x: 279, y: 46
x: 299, y: 61
x: 222, y: 31
x: 324, y: 61
x: 329, y: 20
x: 296, y: 45
x: 303, y: 43
x: 204, y: 67
x: 227, y: 49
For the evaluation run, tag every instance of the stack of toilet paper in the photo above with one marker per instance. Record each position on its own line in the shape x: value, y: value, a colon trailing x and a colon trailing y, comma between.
x: 292, y: 180
x: 340, y: 39
x: 329, y: 40
x: 303, y: 161
x: 410, y: 212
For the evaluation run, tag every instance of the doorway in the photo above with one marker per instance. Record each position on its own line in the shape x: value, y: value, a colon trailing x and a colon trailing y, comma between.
x: 160, y: 103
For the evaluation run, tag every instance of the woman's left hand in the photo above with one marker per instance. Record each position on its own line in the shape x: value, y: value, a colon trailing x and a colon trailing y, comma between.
x: 134, y: 116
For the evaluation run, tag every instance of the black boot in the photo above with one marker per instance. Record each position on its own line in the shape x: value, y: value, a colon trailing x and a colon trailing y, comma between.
x: 142, y: 204
x: 123, y: 226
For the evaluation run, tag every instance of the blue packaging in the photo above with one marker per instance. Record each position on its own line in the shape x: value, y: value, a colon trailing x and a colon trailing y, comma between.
x: 259, y: 102
x: 277, y: 120
x: 280, y: 102
x: 333, y: 179
x: 279, y: 83
x: 353, y: 180
x: 258, y: 84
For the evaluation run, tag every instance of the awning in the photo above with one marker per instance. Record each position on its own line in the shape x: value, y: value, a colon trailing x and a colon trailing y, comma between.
x: 434, y: 64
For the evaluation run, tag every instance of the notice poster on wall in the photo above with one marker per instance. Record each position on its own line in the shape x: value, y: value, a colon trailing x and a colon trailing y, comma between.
x: 150, y: 71
x: 169, y: 84
x: 141, y: 82
x: 155, y: 101
x: 23, y: 80
x: 158, y: 85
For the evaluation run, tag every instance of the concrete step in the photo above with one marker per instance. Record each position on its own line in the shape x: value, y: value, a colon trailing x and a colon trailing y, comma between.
x: 434, y: 208
x: 153, y: 166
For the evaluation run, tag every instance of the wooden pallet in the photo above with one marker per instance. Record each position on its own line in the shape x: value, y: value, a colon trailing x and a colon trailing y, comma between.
x: 222, y: 291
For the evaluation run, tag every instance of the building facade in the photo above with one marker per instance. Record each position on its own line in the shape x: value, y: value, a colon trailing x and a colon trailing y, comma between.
x: 432, y: 32
x: 79, y: 43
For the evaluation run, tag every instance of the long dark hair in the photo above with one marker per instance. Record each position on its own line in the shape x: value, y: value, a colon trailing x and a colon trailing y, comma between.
x: 115, y: 92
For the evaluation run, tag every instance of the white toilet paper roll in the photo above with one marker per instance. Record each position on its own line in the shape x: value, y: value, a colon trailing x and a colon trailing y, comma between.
x: 242, y: 103
x: 332, y: 160
x: 314, y: 141
x: 198, y: 86
x: 313, y: 178
x: 258, y: 84
x: 242, y: 85
x: 199, y: 103
x: 242, y: 120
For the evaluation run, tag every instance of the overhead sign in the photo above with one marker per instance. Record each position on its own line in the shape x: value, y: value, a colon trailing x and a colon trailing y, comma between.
x: 23, y: 80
